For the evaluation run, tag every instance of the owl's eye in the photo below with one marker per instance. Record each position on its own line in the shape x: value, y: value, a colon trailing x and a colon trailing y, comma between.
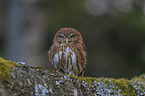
x: 72, y: 36
x: 61, y: 37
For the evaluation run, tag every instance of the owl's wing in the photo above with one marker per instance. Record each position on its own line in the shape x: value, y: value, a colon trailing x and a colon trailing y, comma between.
x: 84, y: 47
x: 52, y: 51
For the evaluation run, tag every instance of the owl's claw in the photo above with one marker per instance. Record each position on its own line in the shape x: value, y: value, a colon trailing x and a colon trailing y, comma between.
x: 60, y: 73
x: 57, y: 71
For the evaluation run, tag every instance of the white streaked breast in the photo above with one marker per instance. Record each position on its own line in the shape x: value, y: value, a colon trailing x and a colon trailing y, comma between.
x: 67, y: 52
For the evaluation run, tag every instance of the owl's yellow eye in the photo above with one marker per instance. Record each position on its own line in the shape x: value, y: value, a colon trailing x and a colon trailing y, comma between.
x: 72, y: 36
x: 61, y: 37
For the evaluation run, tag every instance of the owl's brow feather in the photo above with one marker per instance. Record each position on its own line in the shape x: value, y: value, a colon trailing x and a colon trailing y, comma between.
x: 68, y: 35
x: 61, y: 34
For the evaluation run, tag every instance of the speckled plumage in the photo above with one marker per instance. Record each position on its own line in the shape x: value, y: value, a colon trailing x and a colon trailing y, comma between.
x: 68, y: 53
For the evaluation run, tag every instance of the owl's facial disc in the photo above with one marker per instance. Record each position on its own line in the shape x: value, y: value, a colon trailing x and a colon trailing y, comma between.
x: 68, y: 36
x: 66, y: 39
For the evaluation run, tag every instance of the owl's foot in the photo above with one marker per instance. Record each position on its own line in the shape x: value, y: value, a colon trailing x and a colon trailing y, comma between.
x: 59, y: 72
x: 81, y: 74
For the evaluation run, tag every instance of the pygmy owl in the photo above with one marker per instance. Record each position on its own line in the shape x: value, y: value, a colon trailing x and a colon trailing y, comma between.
x: 68, y: 52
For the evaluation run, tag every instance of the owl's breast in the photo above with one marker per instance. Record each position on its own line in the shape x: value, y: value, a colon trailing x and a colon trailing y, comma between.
x: 65, y: 59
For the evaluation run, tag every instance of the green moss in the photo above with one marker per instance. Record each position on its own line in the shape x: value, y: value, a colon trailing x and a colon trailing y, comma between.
x: 39, y: 68
x: 5, y: 67
x: 88, y: 80
x: 140, y: 79
x: 127, y: 87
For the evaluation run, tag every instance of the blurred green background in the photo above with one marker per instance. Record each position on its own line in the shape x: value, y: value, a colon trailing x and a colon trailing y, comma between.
x: 113, y: 31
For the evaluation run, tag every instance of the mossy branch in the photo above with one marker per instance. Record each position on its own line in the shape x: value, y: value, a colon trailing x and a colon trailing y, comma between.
x: 17, y: 79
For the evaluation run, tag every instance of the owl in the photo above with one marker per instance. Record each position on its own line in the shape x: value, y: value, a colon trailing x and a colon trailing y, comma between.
x: 68, y: 52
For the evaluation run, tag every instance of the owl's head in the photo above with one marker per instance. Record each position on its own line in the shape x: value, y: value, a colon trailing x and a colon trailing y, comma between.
x: 67, y: 36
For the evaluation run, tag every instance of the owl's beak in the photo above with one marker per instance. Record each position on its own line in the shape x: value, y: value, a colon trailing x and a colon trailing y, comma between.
x: 66, y: 40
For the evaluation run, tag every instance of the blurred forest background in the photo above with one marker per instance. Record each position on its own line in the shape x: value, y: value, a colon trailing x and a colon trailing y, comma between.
x: 113, y: 31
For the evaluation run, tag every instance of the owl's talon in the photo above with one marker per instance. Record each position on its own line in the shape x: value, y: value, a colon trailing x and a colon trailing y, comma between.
x: 57, y: 71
